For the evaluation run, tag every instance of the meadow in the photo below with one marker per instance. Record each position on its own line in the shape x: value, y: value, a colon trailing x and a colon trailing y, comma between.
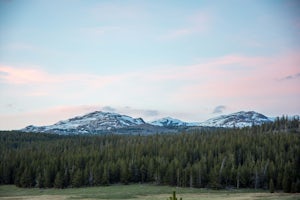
x: 138, y: 192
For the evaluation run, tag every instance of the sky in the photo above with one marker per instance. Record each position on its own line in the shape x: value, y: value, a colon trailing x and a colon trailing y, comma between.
x: 190, y: 60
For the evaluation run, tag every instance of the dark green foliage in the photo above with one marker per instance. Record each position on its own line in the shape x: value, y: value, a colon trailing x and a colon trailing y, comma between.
x: 40, y: 181
x: 298, y: 186
x: 214, y: 182
x: 293, y: 187
x: 271, y: 186
x: 27, y: 178
x: 58, y: 181
x: 77, y: 180
x: 219, y: 158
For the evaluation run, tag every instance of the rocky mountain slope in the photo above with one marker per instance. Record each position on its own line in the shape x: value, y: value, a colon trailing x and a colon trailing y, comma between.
x: 103, y: 122
x: 238, y: 120
x: 168, y: 122
x: 95, y: 122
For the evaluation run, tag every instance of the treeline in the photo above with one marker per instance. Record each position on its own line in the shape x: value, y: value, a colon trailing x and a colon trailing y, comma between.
x: 266, y: 156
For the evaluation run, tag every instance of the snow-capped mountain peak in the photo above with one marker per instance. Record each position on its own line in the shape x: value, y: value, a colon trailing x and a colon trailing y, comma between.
x: 238, y: 119
x: 105, y: 122
x: 168, y: 122
x: 90, y: 123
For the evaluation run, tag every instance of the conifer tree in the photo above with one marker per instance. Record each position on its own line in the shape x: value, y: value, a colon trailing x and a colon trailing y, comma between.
x: 77, y: 178
x: 105, y: 177
x: 285, y: 184
x: 48, y: 177
x: 58, y: 181
x: 27, y: 179
x: 40, y: 180
x: 271, y: 186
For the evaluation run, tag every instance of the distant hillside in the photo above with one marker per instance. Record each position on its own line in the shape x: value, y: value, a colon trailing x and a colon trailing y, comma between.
x: 238, y: 120
x: 99, y: 122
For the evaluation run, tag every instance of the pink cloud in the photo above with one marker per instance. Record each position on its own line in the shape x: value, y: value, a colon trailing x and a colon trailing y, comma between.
x: 254, y: 82
x: 233, y: 67
x: 23, y: 76
x: 237, y: 81
x: 222, y: 67
x: 33, y: 83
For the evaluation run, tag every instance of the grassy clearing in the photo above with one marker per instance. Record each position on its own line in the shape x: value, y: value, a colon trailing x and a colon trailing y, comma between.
x: 136, y: 192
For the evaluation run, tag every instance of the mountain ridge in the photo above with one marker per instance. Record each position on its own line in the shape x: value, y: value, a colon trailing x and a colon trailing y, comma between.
x: 105, y: 122
x: 93, y: 122
x: 237, y: 120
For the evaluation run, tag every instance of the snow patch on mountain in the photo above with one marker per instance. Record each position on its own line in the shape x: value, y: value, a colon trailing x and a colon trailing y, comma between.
x: 89, y: 123
x: 105, y: 122
x: 238, y: 120
x: 168, y: 122
x: 172, y: 122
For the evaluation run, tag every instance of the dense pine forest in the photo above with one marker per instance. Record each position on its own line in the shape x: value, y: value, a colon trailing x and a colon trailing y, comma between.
x: 266, y: 157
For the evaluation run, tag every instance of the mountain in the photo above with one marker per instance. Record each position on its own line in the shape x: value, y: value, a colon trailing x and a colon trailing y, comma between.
x: 168, y: 122
x: 104, y: 122
x: 95, y: 122
x: 239, y: 120
x: 172, y: 123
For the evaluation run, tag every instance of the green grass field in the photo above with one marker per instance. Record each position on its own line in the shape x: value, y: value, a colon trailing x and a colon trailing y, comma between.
x: 136, y: 192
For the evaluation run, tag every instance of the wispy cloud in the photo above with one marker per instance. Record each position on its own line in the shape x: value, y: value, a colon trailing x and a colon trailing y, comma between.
x: 35, y: 75
x: 219, y: 109
x: 14, y: 75
x: 145, y: 113
x: 236, y: 81
x: 34, y: 82
x: 212, y: 75
x: 290, y: 77
x: 135, y: 112
x: 108, y: 109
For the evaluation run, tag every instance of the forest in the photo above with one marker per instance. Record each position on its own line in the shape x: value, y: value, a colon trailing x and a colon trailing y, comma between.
x: 266, y: 156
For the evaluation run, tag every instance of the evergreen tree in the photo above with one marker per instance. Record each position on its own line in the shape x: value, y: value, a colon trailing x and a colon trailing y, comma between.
x: 59, y: 181
x: 286, y: 185
x: 49, y: 178
x: 124, y: 173
x: 293, y: 187
x: 27, y: 178
x: 40, y: 180
x: 105, y: 177
x: 66, y: 178
x: 77, y: 178
x: 214, y: 179
x: 271, y: 186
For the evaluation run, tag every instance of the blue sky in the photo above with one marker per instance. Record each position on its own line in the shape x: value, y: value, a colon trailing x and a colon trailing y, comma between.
x: 147, y: 59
